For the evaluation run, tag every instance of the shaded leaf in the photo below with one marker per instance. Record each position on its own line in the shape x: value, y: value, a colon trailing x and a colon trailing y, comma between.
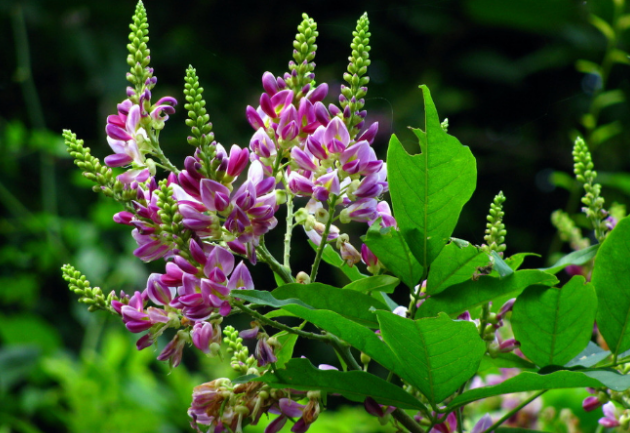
x: 499, y: 265
x: 354, y: 385
x: 354, y: 305
x: 554, y: 325
x: 454, y: 265
x: 611, y: 278
x: 605, y: 132
x: 437, y: 355
x: 607, y: 98
x: 530, y: 381
x: 359, y: 336
x: 429, y: 190
x: 391, y: 249
x: 379, y: 283
x: 287, y: 344
x: 470, y: 294
x: 579, y: 257
x: 589, y: 357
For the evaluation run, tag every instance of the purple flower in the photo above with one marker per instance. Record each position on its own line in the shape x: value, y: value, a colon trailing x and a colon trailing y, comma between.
x: 204, y: 334
x: 591, y: 403
x: 482, y: 425
x: 610, y: 419
x: 264, y: 352
x: 173, y: 350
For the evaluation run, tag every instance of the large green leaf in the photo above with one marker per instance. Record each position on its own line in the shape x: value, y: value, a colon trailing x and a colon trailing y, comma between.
x: 530, y: 381
x: 429, y: 190
x: 437, y: 355
x: 391, y: 249
x: 360, y: 337
x: 379, y: 283
x: 354, y: 305
x: 354, y: 385
x: 554, y: 325
x: 454, y: 265
x: 611, y: 278
x: 474, y: 293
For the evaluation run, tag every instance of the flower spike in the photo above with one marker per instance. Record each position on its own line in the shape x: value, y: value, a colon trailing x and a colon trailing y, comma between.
x: 495, y: 229
x: 351, y: 99
x: 139, y: 54
x: 301, y: 70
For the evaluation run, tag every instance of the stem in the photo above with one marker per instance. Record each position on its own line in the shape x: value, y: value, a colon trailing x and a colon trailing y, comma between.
x: 261, y: 318
x: 289, y: 231
x: 513, y: 411
x: 275, y: 266
x: 159, y: 153
x: 406, y: 420
x: 324, y: 242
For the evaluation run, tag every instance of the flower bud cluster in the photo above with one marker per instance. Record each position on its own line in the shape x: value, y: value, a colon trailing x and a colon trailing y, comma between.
x: 226, y: 406
x: 585, y: 174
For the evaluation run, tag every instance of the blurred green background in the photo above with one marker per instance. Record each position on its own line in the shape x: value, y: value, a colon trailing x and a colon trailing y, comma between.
x: 503, y: 72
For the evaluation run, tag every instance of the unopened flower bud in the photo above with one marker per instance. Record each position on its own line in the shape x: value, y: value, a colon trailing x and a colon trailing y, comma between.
x: 302, y: 278
x: 321, y: 215
x: 281, y: 197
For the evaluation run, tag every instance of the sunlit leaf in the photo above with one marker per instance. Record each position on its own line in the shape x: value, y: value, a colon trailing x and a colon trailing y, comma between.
x: 454, y: 265
x: 554, y: 325
x: 392, y: 250
x: 437, y: 355
x: 429, y: 190
x: 379, y: 283
x: 611, y: 280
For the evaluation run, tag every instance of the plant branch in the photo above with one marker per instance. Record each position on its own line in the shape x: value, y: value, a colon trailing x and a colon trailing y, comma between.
x: 271, y: 261
x: 289, y: 231
x: 324, y: 241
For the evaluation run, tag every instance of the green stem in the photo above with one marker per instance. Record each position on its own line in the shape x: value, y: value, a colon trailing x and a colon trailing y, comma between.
x: 281, y: 271
x: 265, y: 320
x: 324, y: 242
x: 289, y: 231
x: 159, y: 153
x: 406, y: 420
x: 513, y: 411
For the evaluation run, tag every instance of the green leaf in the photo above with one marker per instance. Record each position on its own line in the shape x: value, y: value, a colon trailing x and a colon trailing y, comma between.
x: 554, y: 325
x: 562, y: 180
x: 379, y: 283
x: 579, y: 257
x: 515, y: 261
x: 530, y: 381
x: 333, y: 258
x: 470, y: 294
x: 287, y: 344
x: 359, y: 336
x: 602, y: 26
x: 617, y: 180
x: 608, y: 98
x: 505, y: 360
x: 620, y: 56
x: 354, y: 385
x: 499, y: 265
x: 429, y: 190
x: 587, y: 67
x: 605, y: 132
x: 453, y: 266
x: 516, y: 430
x: 590, y: 356
x: 354, y: 305
x: 611, y: 278
x: 437, y: 355
x: 391, y: 249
